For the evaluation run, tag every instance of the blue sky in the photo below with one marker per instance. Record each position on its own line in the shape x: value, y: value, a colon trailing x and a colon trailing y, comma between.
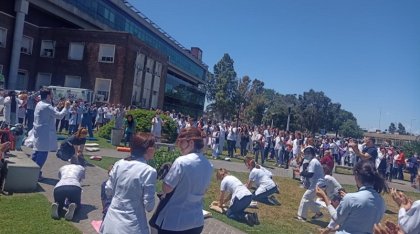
x: 364, y: 54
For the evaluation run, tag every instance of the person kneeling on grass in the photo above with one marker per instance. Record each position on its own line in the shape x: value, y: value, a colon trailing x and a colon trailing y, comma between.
x: 240, y: 196
x: 68, y: 191
x: 265, y: 186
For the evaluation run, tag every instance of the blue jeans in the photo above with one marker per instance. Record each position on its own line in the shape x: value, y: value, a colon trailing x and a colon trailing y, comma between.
x: 263, y: 197
x: 88, y: 124
x: 39, y: 157
x: 72, y: 129
x: 127, y: 138
x: 257, y: 152
x: 231, y: 146
x: 237, y: 210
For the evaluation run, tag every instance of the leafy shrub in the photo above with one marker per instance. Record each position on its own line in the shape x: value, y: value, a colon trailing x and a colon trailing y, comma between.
x: 144, y: 124
x: 162, y: 156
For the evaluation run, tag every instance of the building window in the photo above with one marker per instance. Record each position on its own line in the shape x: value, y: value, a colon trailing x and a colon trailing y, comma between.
x: 22, y: 81
x: 43, y: 79
x: 3, y: 37
x: 106, y: 53
x: 102, y: 89
x: 26, y: 47
x: 47, y: 48
x: 76, y: 50
x: 73, y: 81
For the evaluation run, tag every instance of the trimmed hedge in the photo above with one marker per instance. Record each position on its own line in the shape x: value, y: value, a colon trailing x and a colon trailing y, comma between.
x: 144, y: 124
x: 162, y: 156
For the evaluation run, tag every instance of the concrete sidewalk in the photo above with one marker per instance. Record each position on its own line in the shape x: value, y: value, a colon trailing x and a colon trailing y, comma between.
x: 91, y: 199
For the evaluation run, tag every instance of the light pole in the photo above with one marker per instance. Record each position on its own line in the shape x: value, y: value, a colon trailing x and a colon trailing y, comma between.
x: 411, y: 125
x: 288, y: 118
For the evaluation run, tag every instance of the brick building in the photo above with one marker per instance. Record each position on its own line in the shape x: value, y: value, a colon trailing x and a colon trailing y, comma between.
x: 64, y: 44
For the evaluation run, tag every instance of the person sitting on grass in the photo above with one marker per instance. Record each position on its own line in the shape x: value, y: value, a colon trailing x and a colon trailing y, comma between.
x: 68, y: 191
x: 240, y: 198
x: 265, y: 186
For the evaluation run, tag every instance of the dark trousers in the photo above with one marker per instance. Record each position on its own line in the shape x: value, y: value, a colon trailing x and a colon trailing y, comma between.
x: 337, y: 158
x: 244, y: 152
x: 30, y: 118
x: 72, y: 193
x: 400, y: 172
x: 3, y: 172
x: 64, y: 124
x: 88, y: 124
x: 39, y: 157
x: 413, y: 175
x: 263, y: 197
x: 231, y: 145
x: 237, y: 210
x: 197, y: 230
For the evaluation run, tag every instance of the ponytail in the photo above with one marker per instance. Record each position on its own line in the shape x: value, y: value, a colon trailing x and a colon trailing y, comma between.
x: 368, y: 175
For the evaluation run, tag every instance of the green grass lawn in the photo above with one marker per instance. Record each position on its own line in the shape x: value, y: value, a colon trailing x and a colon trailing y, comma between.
x: 275, y: 219
x: 30, y: 213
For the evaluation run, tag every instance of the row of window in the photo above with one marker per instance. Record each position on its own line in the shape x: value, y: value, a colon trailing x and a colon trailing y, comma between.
x: 108, y: 14
x: 76, y: 49
x: 102, y: 86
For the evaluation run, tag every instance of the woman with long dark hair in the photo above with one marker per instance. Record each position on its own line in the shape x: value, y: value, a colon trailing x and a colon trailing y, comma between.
x: 358, y: 212
x: 130, y: 128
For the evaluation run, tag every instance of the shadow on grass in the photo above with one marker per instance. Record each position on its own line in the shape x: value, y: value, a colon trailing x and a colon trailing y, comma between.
x: 319, y: 223
x: 390, y: 212
x: 82, y: 214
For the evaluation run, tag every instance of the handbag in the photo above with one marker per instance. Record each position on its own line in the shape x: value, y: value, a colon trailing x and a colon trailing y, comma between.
x: 66, y: 151
x: 162, y: 203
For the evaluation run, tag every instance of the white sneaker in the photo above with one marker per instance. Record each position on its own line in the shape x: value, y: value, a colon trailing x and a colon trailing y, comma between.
x: 70, y: 212
x: 54, y: 211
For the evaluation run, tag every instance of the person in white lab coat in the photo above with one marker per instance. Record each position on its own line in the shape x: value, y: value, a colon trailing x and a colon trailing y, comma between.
x: 181, y: 210
x: 45, y: 137
x: 131, y: 185
x: 11, y: 105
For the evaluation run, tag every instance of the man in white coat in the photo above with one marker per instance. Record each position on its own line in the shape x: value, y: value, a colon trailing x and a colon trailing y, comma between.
x: 45, y: 137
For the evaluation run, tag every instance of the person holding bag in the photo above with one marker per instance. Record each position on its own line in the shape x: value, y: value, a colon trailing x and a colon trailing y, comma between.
x: 180, y: 210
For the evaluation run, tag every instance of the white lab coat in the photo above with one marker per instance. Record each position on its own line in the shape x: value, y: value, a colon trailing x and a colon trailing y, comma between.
x: 45, y: 137
x: 7, y: 109
x: 131, y: 185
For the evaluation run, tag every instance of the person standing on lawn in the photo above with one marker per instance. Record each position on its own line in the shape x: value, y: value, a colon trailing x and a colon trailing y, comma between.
x: 45, y: 137
x: 130, y: 129
x: 312, y: 174
x: 157, y: 124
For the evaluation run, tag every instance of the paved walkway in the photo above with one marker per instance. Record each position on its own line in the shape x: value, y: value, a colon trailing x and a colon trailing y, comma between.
x: 239, y: 167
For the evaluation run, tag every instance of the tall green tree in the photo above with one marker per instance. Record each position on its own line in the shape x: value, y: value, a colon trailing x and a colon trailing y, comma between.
x: 222, y: 87
x: 392, y: 129
x: 254, y: 112
x: 350, y: 129
x: 401, y: 129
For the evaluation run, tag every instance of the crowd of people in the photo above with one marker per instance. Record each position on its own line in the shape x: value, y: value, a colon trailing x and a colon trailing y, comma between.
x: 130, y: 189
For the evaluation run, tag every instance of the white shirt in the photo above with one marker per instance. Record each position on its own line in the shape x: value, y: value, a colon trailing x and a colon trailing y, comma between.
x: 265, y: 170
x: 156, y: 126
x: 409, y: 221
x: 70, y: 175
x: 231, y: 134
x: 316, y: 168
x: 190, y: 176
x: 261, y: 180
x: 45, y: 136
x: 131, y: 185
x: 332, y: 186
x: 232, y: 185
x: 296, y: 147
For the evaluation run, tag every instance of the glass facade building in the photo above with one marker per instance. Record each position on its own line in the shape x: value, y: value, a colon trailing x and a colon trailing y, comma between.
x: 183, y: 96
x: 107, y: 13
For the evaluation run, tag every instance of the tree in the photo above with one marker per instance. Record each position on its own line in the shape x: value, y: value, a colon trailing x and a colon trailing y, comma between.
x: 254, y: 112
x: 392, y: 129
x: 401, y: 129
x: 314, y: 108
x: 222, y: 87
x: 350, y: 129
